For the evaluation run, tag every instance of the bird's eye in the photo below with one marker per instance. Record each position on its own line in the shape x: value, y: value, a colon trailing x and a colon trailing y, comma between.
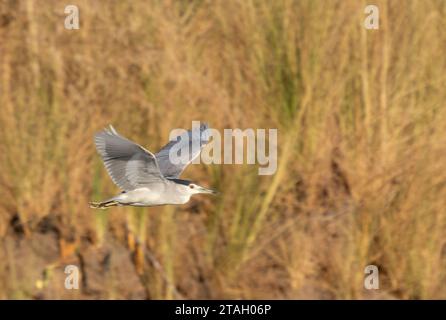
x: 191, y: 186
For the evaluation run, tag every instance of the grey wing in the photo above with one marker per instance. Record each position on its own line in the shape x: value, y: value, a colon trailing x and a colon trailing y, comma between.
x: 129, y: 165
x: 193, y: 141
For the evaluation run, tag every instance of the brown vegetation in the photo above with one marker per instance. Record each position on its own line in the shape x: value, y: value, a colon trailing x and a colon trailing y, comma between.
x: 362, y: 146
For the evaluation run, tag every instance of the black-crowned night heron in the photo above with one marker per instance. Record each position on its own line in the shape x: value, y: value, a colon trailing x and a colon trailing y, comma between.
x: 147, y: 179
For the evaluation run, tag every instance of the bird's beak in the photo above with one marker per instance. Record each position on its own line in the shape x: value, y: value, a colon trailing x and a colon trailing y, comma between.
x: 210, y: 191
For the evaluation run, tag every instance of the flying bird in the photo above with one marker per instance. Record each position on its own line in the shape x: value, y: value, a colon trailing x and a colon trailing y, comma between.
x: 148, y: 179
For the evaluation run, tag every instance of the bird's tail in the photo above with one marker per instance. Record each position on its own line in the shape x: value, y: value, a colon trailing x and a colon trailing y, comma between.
x: 104, y: 204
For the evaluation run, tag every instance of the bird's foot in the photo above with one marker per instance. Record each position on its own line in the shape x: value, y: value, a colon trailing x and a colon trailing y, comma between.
x: 103, y: 205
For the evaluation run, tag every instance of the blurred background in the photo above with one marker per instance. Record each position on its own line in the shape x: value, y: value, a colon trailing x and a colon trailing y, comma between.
x: 361, y: 124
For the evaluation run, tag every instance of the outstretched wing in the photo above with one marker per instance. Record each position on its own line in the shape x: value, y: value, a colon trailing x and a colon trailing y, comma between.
x: 129, y: 165
x: 192, y: 141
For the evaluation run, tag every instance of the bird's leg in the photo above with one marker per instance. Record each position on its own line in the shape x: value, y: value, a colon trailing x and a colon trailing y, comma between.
x: 103, y: 205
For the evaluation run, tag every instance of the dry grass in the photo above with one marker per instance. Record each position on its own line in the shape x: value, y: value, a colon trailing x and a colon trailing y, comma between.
x: 361, y: 177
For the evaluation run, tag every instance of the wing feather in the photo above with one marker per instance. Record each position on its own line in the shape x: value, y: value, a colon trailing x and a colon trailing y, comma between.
x: 129, y: 165
x: 193, y: 140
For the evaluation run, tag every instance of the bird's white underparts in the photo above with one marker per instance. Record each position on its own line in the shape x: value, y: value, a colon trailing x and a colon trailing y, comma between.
x: 148, y: 179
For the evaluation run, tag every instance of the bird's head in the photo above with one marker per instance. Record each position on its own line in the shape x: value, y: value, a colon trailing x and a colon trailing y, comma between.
x: 190, y: 188
x: 195, y: 188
